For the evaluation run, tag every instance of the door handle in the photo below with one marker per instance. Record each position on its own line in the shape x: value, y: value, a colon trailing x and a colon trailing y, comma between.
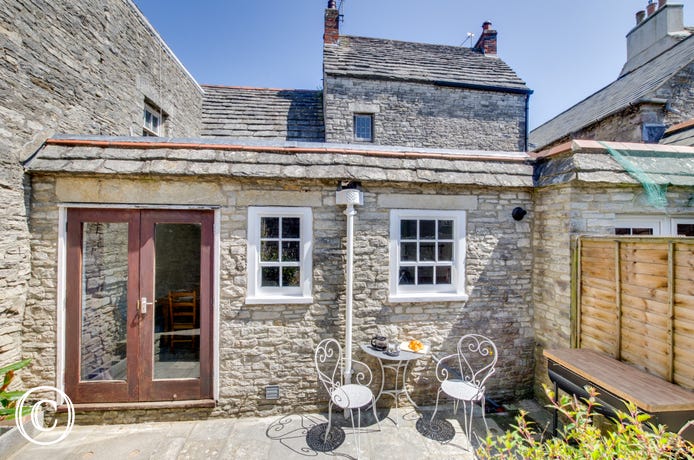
x: 142, y: 305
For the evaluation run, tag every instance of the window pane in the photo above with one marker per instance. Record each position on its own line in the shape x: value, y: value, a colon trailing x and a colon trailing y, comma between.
x: 406, y: 275
x: 641, y: 231
x: 291, y: 227
x: 622, y: 231
x: 685, y: 229
x: 270, y: 276
x: 290, y: 276
x: 445, y: 229
x: 427, y: 229
x: 270, y: 227
x: 362, y: 127
x: 290, y: 251
x: 408, y: 229
x: 446, y: 252
x: 408, y: 252
x: 443, y: 275
x: 427, y: 251
x: 425, y: 275
x: 269, y: 251
x: 104, y: 301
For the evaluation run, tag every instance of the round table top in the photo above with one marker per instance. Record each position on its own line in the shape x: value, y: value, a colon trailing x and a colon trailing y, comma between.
x: 403, y: 356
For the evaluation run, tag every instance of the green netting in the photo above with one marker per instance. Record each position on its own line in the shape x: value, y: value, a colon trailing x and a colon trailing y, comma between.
x: 651, y: 181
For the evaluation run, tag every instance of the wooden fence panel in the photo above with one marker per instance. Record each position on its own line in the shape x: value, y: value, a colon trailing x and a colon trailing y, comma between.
x: 635, y: 301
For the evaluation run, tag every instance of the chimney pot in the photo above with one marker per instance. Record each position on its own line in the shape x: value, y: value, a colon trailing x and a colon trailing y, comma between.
x: 486, y: 25
x: 331, y: 4
x: 650, y: 8
x: 640, y: 16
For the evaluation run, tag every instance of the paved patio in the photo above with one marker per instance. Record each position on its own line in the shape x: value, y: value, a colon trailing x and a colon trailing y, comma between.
x: 294, y: 436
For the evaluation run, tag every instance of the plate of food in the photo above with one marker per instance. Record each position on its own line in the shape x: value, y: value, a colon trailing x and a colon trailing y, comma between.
x: 415, y: 346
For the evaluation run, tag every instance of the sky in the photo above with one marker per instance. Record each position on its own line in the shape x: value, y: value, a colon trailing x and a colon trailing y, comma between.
x: 564, y: 50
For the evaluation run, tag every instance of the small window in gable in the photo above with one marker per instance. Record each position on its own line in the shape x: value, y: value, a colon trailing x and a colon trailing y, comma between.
x: 152, y: 120
x: 363, y: 127
x: 279, y: 255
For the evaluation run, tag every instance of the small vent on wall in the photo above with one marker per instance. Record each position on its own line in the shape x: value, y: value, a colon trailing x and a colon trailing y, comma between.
x: 272, y: 392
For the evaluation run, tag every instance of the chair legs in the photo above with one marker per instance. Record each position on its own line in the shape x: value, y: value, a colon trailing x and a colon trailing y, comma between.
x: 436, y: 408
x: 467, y: 417
x: 355, y: 430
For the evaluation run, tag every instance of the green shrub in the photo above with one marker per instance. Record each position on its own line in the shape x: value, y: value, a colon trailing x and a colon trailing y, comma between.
x: 8, y: 399
x: 633, y: 437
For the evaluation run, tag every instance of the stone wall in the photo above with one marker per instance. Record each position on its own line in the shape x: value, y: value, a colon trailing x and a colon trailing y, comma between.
x: 262, y: 345
x: 72, y: 67
x: 562, y: 213
x: 415, y: 114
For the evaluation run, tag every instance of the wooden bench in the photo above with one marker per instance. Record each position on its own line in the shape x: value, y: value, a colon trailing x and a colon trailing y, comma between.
x: 571, y: 369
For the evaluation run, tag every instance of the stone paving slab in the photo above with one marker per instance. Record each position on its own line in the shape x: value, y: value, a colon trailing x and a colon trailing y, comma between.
x: 278, y: 437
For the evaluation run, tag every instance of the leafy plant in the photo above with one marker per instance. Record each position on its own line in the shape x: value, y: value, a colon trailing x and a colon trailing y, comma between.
x: 8, y: 399
x: 631, y: 438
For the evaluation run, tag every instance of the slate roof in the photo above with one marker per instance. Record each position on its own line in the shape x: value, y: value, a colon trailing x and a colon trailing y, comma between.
x: 641, y: 83
x: 590, y: 162
x: 263, y: 113
x: 680, y: 134
x: 104, y: 155
x: 420, y: 62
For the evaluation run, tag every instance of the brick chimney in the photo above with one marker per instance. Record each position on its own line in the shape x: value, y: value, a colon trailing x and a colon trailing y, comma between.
x: 487, y: 41
x: 331, y: 33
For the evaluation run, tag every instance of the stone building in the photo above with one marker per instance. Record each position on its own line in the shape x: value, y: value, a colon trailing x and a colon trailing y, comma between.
x: 73, y: 67
x: 652, y: 93
x: 233, y: 210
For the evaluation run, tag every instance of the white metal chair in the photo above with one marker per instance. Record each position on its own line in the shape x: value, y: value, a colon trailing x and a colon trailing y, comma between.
x: 330, y: 367
x: 471, y: 366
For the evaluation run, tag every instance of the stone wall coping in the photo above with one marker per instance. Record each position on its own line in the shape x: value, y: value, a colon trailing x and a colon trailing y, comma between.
x: 287, y: 147
x: 321, y: 162
x: 592, y: 146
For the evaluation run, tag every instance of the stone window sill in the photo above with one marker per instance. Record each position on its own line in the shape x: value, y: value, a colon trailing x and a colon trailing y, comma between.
x: 427, y: 297
x: 273, y: 300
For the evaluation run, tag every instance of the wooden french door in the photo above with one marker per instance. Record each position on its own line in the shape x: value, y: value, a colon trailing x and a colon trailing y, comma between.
x: 129, y: 337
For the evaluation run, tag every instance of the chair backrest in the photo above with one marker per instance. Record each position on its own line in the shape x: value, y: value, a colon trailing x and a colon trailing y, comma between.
x: 477, y: 359
x: 328, y: 358
x: 182, y: 307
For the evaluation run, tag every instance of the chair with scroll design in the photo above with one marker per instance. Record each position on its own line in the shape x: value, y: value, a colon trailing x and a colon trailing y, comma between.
x: 463, y: 375
x: 330, y: 365
x: 183, y: 308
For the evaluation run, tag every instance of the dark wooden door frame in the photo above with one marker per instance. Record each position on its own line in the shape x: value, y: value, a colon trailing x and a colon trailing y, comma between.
x: 139, y: 385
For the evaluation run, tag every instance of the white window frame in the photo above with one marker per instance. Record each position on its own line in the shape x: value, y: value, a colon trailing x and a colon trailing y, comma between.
x: 357, y: 130
x: 429, y: 293
x: 154, y: 114
x: 257, y: 294
x: 654, y: 223
x: 662, y: 226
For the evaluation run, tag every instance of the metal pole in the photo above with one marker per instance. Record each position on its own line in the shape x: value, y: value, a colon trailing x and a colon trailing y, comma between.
x: 350, y: 212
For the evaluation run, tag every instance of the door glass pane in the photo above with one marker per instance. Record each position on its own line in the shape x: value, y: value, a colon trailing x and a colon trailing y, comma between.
x: 177, y: 288
x: 104, y: 289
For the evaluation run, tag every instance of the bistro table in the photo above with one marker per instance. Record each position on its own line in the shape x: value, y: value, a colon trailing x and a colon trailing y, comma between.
x: 398, y: 364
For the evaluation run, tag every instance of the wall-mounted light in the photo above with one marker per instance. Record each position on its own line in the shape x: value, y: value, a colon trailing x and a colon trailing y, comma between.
x: 349, y: 192
x: 518, y: 213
